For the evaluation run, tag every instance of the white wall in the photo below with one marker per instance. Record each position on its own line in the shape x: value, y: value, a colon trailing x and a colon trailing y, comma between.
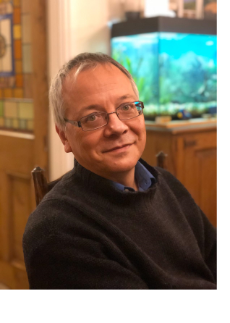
x: 58, y: 27
x: 76, y: 26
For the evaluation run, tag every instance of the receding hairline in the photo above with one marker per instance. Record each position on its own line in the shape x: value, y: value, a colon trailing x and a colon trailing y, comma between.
x: 74, y: 72
x: 81, y: 62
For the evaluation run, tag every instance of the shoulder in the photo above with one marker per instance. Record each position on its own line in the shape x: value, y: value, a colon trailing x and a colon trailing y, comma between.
x: 166, y: 179
x: 45, y: 220
x: 55, y: 222
x: 173, y: 192
x: 55, y: 213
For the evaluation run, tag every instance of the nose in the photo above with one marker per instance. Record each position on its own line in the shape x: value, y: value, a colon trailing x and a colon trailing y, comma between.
x: 115, y: 126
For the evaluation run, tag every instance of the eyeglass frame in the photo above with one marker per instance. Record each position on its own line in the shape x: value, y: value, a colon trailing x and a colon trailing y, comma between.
x: 78, y: 123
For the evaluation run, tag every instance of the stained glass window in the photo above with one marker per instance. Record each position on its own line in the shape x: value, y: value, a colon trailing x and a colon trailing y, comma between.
x: 16, y: 104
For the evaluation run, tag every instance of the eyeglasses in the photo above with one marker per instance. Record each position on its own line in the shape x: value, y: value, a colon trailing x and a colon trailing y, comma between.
x: 97, y: 120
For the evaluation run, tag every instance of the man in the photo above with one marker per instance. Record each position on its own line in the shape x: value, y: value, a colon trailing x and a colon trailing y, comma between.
x: 113, y: 222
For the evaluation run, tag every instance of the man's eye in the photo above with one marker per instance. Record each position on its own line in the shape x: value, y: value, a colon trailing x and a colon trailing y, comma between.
x: 90, y: 118
x: 126, y: 107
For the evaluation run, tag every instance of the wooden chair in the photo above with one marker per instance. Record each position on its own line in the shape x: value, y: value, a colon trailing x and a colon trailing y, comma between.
x: 41, y: 185
x: 162, y: 160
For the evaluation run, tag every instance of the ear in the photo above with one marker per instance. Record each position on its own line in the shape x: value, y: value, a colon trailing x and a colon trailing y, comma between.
x: 64, y: 140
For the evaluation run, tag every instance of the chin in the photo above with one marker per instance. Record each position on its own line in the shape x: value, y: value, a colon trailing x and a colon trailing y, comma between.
x: 121, y: 166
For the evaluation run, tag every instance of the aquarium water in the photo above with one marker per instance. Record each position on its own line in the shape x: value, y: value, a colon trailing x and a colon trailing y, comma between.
x: 173, y: 71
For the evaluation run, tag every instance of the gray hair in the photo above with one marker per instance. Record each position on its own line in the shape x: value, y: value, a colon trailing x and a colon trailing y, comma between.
x: 80, y: 62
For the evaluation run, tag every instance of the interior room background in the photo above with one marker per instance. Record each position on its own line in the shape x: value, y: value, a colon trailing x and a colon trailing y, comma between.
x: 36, y: 38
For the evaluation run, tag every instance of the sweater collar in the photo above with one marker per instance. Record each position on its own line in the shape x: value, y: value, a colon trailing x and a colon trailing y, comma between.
x: 91, y: 179
x: 143, y: 178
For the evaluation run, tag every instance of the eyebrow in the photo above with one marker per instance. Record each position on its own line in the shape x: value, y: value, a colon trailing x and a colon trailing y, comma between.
x: 127, y: 96
x: 91, y: 107
x: 100, y: 107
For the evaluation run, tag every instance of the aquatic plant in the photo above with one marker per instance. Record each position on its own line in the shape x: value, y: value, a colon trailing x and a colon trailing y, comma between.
x: 170, y: 73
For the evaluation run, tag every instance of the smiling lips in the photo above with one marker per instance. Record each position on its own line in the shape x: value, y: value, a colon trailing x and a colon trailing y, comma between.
x: 119, y: 148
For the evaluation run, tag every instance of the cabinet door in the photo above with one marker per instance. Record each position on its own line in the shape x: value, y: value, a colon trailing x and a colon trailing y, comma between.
x: 199, y: 170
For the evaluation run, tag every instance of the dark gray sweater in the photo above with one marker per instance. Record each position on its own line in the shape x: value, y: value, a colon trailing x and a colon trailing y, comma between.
x: 86, y: 234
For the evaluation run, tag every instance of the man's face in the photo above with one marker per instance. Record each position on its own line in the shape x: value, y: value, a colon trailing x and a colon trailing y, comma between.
x: 113, y: 150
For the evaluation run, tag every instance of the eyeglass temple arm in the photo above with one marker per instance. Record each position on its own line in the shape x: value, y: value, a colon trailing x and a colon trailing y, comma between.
x: 75, y: 123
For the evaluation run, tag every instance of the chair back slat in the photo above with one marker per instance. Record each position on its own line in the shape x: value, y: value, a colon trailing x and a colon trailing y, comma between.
x: 40, y: 184
x: 162, y: 160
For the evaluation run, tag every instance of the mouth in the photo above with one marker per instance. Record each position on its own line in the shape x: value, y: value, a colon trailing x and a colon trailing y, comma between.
x: 119, y: 148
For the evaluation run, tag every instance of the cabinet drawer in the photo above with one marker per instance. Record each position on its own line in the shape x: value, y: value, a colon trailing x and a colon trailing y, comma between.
x: 199, y: 140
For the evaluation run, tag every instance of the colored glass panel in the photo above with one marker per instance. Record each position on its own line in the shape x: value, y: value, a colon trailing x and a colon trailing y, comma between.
x: 22, y: 124
x: 26, y: 58
x: 7, y: 60
x: 3, y: 9
x: 15, y: 65
x: 17, y: 49
x: 1, y: 109
x: 7, y: 93
x: 18, y: 93
x: 26, y: 29
x: 30, y: 125
x: 15, y: 123
x: 8, y: 122
x: 28, y: 86
x: 17, y: 31
x: 5, y: 28
x: 11, y: 81
x: 17, y: 16
x: 10, y: 109
x: 19, y: 80
x: 6, y: 51
x: 26, y: 110
x: 17, y: 3
x: 9, y: 8
x: 18, y: 66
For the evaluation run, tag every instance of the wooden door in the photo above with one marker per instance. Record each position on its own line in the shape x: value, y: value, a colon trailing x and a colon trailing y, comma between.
x: 199, y: 174
x: 23, y: 126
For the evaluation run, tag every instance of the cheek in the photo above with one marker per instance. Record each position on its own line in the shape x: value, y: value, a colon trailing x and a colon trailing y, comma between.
x: 141, y: 136
x: 140, y: 129
x: 89, y: 143
x: 144, y: 134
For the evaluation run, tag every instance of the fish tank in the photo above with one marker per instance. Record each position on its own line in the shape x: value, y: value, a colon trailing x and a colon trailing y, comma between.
x: 174, y: 65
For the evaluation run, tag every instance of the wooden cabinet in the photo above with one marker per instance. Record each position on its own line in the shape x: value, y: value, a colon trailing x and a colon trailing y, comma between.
x: 191, y: 148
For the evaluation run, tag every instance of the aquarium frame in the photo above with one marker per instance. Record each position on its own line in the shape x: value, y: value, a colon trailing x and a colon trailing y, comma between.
x: 164, y: 24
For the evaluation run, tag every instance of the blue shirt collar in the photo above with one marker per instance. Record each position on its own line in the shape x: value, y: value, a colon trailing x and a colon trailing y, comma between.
x: 143, y: 178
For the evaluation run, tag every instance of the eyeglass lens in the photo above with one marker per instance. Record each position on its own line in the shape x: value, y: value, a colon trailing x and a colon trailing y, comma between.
x: 100, y: 119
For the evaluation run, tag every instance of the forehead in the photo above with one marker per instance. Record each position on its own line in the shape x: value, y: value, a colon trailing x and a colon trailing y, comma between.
x: 97, y: 82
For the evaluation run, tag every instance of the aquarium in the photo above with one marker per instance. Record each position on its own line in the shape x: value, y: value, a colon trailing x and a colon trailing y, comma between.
x: 174, y: 72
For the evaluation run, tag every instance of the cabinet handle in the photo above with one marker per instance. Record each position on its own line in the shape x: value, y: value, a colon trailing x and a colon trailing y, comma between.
x: 189, y: 143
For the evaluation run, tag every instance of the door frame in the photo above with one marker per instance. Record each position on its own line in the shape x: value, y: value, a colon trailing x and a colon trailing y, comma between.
x: 59, y: 52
